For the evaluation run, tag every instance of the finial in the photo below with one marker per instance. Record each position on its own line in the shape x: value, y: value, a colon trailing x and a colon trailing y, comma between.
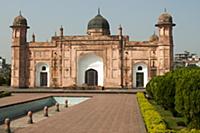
x: 61, y: 31
x: 33, y: 37
x: 165, y: 9
x: 120, y: 30
x: 120, y: 26
x: 20, y: 13
x: 98, y: 11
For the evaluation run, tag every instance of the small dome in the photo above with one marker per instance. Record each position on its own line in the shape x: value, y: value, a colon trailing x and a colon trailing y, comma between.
x: 165, y: 18
x: 153, y: 38
x: 20, y: 21
x: 98, y: 22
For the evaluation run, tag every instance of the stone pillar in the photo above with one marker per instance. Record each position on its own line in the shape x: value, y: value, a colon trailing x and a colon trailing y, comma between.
x: 7, y: 125
x: 30, y: 117
x: 66, y: 103
x: 46, y: 111
x: 57, y: 107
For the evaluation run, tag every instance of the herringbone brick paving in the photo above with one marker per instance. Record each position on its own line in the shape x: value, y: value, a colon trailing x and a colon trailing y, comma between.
x: 103, y: 113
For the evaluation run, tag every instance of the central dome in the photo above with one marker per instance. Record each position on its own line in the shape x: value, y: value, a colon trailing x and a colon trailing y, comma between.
x: 98, y: 25
x: 98, y: 22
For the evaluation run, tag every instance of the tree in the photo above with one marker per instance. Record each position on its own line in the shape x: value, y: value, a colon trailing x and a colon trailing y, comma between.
x: 5, y: 75
x: 179, y: 91
x: 187, y: 99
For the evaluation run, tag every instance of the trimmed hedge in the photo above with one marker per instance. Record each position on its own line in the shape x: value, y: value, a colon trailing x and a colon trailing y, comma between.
x: 152, y: 118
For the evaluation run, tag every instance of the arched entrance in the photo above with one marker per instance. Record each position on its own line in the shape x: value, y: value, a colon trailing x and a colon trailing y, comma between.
x: 90, y: 66
x: 91, y: 77
x: 140, y: 75
x: 140, y: 78
x: 42, y: 75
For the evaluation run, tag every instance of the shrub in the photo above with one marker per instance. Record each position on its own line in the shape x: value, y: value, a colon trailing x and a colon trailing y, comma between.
x: 152, y: 118
x: 162, y: 89
x: 181, y: 123
x: 187, y: 99
x: 179, y: 91
x: 151, y: 87
x: 5, y: 93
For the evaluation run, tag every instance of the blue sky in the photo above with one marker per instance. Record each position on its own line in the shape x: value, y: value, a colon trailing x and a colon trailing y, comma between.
x: 137, y: 18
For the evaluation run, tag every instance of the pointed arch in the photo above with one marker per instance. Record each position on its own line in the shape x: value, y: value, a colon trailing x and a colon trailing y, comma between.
x: 90, y: 62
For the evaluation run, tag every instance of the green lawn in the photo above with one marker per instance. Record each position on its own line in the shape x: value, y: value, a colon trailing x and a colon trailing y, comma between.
x: 175, y: 123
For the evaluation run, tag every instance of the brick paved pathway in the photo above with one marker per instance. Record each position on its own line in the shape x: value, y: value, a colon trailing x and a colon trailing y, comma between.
x: 104, y: 113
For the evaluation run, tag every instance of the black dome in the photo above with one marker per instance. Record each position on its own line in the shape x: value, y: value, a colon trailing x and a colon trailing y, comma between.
x: 98, y: 22
x: 20, y: 21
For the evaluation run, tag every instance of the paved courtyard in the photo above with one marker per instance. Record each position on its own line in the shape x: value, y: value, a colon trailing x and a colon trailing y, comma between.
x: 103, y: 113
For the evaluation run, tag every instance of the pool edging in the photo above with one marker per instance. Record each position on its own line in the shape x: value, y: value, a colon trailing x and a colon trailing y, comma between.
x: 16, y: 110
x: 31, y: 100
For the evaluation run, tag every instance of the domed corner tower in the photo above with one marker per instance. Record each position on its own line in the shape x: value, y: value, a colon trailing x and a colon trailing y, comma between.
x: 166, y: 47
x: 19, y: 52
x: 98, y: 26
x: 165, y: 27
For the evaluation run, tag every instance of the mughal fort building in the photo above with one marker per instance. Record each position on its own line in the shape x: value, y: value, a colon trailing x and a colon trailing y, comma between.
x: 98, y: 58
